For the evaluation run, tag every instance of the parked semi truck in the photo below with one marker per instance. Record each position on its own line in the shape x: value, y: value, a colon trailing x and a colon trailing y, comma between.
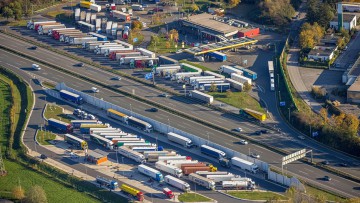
x: 111, y: 184
x: 145, y: 126
x: 172, y: 170
x: 31, y: 24
x: 238, y: 184
x: 155, y: 157
x: 190, y: 80
x: 136, y: 156
x: 221, y: 87
x: 77, y: 123
x: 244, y: 164
x: 75, y: 141
x: 53, y: 31
x: 117, y: 55
x: 161, y: 153
x: 118, y: 115
x: 235, y: 84
x: 178, y: 163
x: 95, y: 7
x: 228, y: 70
x: 110, y: 50
x: 247, y: 73
x: 146, y: 149
x: 71, y: 97
x: 225, y: 162
x: 44, y: 30
x: 152, y: 173
x: 61, y: 125
x: 82, y: 40
x: 210, y: 73
x: 177, y: 157
x: 205, y: 149
x: 120, y: 15
x: 202, y: 96
x: 139, y: 196
x: 253, y: 114
x: 199, y: 180
x: 175, y: 182
x: 220, y: 178
x: 240, y: 78
x: 179, y: 139
x: 146, y: 52
x: 205, y: 173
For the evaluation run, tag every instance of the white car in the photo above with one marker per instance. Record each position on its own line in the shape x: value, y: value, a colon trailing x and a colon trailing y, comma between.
x: 94, y: 89
x: 36, y: 67
x: 244, y: 142
x: 301, y: 137
x: 255, y: 155
x: 238, y: 129
x: 117, y: 78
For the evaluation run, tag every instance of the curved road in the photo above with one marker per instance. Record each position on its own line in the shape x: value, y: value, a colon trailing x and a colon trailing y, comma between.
x: 307, y: 172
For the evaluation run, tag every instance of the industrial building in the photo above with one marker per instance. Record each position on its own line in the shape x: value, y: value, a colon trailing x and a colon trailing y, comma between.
x: 216, y: 28
x: 321, y: 54
x: 352, y: 79
x: 349, y: 22
x: 96, y: 156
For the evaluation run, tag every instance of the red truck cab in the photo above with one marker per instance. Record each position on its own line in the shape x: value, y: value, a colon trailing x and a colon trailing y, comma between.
x: 168, y: 193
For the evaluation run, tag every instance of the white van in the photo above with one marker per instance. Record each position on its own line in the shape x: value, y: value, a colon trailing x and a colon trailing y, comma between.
x: 36, y: 67
x: 94, y: 89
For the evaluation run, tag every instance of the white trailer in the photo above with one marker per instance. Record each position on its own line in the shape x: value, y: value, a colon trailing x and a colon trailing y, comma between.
x: 124, y: 43
x: 121, y: 134
x: 190, y: 80
x: 127, y: 60
x: 108, y: 27
x: 122, y: 48
x: 178, y: 163
x: 45, y: 29
x: 179, y: 139
x: 137, y: 144
x: 136, y: 156
x: 219, y: 178
x: 98, y: 24
x: 82, y: 40
x: 172, y: 170
x: 206, y: 80
x: 87, y: 18
x: 170, y: 158
x: 155, y: 157
x: 92, y: 45
x: 204, y: 173
x: 235, y: 84
x: 95, y: 7
x: 114, y: 28
x: 168, y: 69
x: 240, y: 78
x: 93, y: 19
x: 120, y: 15
x: 146, y: 52
x: 228, y: 70
x: 175, y: 182
x: 238, y: 184
x: 199, y: 180
x: 202, y: 96
x: 83, y: 15
x: 68, y: 37
x: 77, y: 14
x: 31, y: 24
x: 120, y: 55
x: 102, y: 50
x: 50, y: 32
x: 143, y: 149
x: 89, y: 27
x: 271, y: 68
x: 210, y: 73
x: 244, y: 164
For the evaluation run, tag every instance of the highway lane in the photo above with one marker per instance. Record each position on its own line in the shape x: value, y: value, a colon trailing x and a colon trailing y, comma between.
x: 36, y: 120
x: 287, y: 141
x: 309, y: 173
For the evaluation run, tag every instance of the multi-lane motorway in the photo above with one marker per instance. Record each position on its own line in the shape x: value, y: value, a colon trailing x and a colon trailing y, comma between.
x: 287, y: 140
x: 312, y: 174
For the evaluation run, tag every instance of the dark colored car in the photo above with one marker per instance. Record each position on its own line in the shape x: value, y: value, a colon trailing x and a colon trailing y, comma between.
x: 158, y: 10
x: 258, y: 132
x: 150, y: 12
x: 153, y: 109
x: 325, y: 163
x: 43, y: 156
x: 327, y: 178
x: 264, y: 131
x: 343, y: 164
x: 33, y: 47
x: 80, y: 64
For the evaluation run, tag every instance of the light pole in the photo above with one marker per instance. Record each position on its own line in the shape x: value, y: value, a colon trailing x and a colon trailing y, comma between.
x: 289, y: 113
x: 131, y: 110
x: 168, y: 125
x: 122, y: 160
x: 208, y: 137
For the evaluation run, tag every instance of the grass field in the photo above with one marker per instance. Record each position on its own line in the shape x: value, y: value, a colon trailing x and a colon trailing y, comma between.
x: 19, y: 174
x: 43, y: 137
x: 160, y: 47
x: 239, y: 100
x: 192, y: 197
x: 204, y: 68
x: 330, y: 197
x: 17, y: 23
x: 255, y: 195
x: 55, y: 192
x: 54, y: 111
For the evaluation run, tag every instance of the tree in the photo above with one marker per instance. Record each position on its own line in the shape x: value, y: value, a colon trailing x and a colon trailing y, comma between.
x: 18, y: 192
x: 194, y: 7
x: 319, y: 12
x: 36, y: 194
x: 279, y: 12
x: 247, y: 87
x: 137, y: 24
x: 156, y: 19
x: 154, y: 40
x: 310, y: 35
x: 213, y: 88
x: 167, y: 45
x: 7, y: 13
x: 233, y: 3
x: 174, y: 35
x: 324, y: 114
x: 17, y: 9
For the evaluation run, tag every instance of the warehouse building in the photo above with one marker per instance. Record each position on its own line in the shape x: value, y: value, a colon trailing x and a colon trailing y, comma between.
x: 96, y: 156
x: 216, y: 28
x: 349, y: 22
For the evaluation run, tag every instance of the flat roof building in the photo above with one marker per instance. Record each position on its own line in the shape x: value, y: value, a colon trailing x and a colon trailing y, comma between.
x: 349, y: 21
x: 351, y: 77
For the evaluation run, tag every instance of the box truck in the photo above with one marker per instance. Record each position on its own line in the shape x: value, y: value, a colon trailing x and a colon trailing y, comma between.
x: 152, y: 173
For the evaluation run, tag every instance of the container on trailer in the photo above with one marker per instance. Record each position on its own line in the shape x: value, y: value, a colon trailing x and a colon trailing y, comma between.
x: 244, y: 164
x: 199, y: 180
x: 136, y: 156
x: 240, y: 78
x: 218, y: 55
x: 205, y: 149
x: 61, y: 125
x: 188, y: 170
x: 173, y: 170
x: 71, y: 97
x: 201, y: 96
x: 148, y: 171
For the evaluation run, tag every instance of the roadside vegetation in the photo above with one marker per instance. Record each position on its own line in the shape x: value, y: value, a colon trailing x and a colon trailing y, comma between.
x: 257, y: 195
x: 43, y: 137
x: 28, y: 179
x: 57, y: 112
x: 238, y: 99
x: 165, y: 42
x: 192, y: 197
x: 204, y: 68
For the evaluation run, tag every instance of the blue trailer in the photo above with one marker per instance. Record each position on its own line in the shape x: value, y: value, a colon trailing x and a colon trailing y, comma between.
x: 247, y: 73
x: 71, y: 97
x: 112, y: 184
x: 99, y: 36
x: 221, y: 87
x: 212, y: 152
x: 60, y: 125
x: 218, y: 55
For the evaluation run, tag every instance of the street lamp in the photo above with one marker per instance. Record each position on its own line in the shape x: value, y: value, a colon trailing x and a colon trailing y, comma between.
x: 168, y: 125
x: 208, y: 137
x: 131, y: 110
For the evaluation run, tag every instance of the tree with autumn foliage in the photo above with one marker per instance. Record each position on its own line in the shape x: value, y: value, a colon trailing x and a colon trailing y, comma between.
x: 310, y: 35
